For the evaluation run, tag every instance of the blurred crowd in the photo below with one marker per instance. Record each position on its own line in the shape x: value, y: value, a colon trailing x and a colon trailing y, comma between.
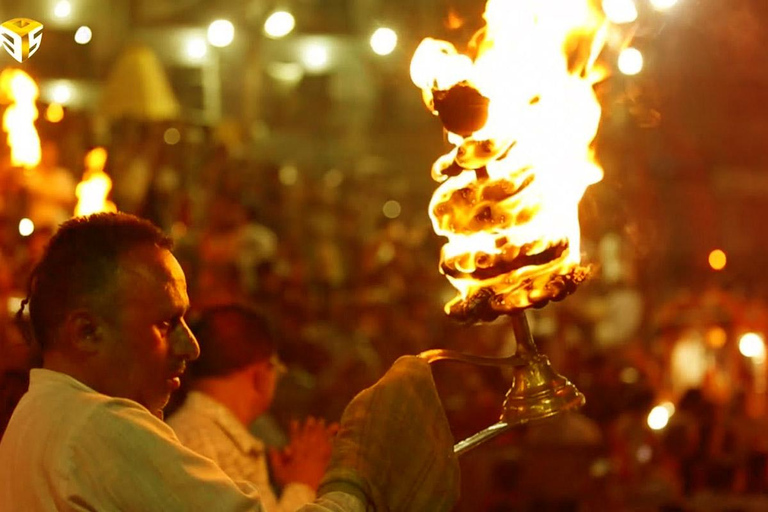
x: 349, y: 278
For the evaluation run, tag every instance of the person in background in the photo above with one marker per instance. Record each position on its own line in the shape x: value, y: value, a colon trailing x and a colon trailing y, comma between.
x: 107, y: 304
x: 233, y: 384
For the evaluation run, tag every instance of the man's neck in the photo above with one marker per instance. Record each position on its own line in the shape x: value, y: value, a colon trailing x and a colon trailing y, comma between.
x: 57, y: 362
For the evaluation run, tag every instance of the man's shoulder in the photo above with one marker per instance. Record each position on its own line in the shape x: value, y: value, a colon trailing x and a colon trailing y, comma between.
x: 195, y: 425
x: 63, y: 437
x: 71, y: 415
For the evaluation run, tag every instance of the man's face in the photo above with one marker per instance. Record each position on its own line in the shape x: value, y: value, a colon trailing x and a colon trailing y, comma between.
x: 264, y: 376
x: 146, y: 342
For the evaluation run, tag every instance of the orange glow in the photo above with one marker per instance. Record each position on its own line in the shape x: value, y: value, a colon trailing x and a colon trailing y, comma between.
x: 54, y: 113
x: 521, y: 113
x: 19, y: 91
x: 716, y: 337
x: 93, y: 190
x: 454, y: 21
x: 717, y: 259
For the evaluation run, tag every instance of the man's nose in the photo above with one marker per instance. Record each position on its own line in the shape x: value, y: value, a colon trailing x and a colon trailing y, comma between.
x: 186, y: 345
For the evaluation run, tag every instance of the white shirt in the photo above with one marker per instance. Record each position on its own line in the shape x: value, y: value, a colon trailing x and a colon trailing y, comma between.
x: 208, y: 427
x: 68, y: 447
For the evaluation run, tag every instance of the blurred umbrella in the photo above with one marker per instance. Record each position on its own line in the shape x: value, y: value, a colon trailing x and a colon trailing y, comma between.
x: 138, y: 88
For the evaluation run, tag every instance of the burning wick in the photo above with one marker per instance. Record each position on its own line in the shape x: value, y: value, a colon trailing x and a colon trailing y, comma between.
x: 521, y: 114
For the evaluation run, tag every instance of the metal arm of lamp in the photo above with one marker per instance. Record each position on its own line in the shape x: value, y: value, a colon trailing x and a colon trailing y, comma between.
x: 537, y: 391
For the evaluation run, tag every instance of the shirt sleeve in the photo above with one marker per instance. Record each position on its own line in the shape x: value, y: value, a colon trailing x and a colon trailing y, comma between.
x: 123, y: 458
x: 295, y: 495
x: 336, y: 502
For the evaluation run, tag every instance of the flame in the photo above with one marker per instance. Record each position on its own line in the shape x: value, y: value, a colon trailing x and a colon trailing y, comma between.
x: 454, y: 21
x: 93, y: 190
x: 521, y: 113
x: 19, y: 91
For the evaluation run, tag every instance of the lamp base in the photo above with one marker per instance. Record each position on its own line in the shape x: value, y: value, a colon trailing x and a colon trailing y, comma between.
x: 538, y: 392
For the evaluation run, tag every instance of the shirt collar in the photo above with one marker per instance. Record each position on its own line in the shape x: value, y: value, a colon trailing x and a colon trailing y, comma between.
x: 44, y: 377
x: 218, y: 412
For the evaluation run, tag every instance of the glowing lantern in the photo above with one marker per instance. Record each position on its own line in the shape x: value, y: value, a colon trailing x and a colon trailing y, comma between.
x: 19, y: 91
x: 93, y: 190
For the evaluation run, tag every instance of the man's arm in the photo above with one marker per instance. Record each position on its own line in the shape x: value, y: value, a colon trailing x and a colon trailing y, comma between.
x: 394, y: 450
x: 126, y: 459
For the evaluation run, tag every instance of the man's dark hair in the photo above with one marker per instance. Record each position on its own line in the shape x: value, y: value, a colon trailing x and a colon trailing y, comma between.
x: 80, y: 261
x: 231, y: 337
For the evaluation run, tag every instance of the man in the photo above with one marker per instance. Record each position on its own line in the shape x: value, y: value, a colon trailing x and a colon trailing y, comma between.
x: 107, y: 304
x: 233, y: 384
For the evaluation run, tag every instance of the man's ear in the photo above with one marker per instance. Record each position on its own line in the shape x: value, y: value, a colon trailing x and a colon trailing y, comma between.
x: 83, y: 330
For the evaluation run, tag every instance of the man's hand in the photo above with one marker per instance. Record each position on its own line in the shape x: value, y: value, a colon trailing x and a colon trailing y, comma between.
x: 394, y: 448
x: 305, y: 459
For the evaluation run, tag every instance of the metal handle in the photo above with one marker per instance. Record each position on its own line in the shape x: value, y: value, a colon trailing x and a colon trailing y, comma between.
x: 537, y: 391
x: 441, y: 354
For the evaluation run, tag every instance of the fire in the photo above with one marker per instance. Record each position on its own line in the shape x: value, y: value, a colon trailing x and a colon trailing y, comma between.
x: 19, y: 91
x: 93, y: 190
x: 521, y: 113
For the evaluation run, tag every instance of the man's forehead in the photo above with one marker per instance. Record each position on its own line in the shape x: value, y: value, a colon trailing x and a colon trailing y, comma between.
x: 151, y: 268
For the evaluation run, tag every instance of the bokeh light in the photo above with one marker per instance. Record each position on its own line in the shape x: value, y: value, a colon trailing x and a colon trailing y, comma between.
x: 26, y: 227
x: 221, y: 33
x: 196, y: 48
x: 620, y: 11
x: 716, y: 337
x: 630, y: 61
x: 62, y: 9
x: 288, y: 175
x: 384, y: 41
x: 718, y: 259
x: 658, y: 418
x: 172, y: 136
x: 83, y: 35
x: 752, y: 345
x: 61, y: 94
x: 279, y: 24
x: 391, y: 209
x: 54, y: 113
x: 315, y: 57
x: 663, y: 5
